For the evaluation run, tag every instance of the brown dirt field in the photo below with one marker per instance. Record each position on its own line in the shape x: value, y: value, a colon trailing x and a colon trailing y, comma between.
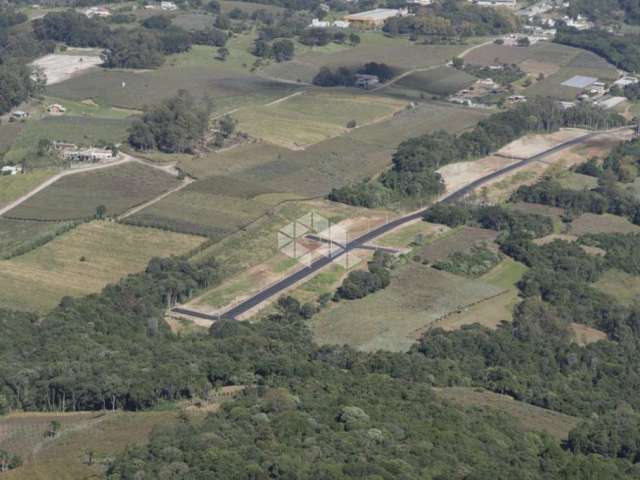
x: 531, y: 418
x: 459, y: 240
x: 592, y: 223
x: 457, y: 175
x: 533, y: 144
x: 584, y: 335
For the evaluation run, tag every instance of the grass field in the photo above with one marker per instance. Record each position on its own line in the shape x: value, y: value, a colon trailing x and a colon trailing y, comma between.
x: 14, y: 186
x: 620, y: 285
x: 76, y: 129
x: 83, y: 261
x: 406, y: 236
x: 607, y: 223
x: 532, y: 418
x: 577, y: 181
x: 393, y: 318
x: 64, y: 457
x: 312, y: 117
x: 491, y: 312
x: 18, y: 234
x: 552, y: 85
x: 398, y: 53
x: 76, y: 196
x: 196, y: 71
x: 439, y: 81
x: 458, y: 240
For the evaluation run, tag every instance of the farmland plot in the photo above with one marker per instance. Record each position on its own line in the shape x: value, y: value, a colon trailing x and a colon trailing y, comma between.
x: 459, y: 240
x: 83, y: 261
x: 18, y: 234
x: 439, y: 81
x: 77, y: 196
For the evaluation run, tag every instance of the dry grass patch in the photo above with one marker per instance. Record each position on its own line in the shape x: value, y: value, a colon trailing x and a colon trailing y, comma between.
x: 458, y: 240
x: 584, y: 335
x: 622, y: 286
x: 83, y: 261
x: 405, y: 236
x: 14, y: 186
x: 532, y: 418
x: 64, y: 457
x: 606, y: 223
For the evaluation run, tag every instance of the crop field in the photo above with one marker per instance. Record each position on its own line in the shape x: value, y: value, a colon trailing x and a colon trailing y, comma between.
x: 14, y: 186
x: 77, y: 196
x: 64, y: 457
x: 83, y: 261
x: 458, y: 240
x: 18, y: 234
x: 309, y: 118
x: 552, y: 85
x: 399, y: 54
x: 200, y: 213
x: 439, y: 81
x: 81, y: 130
x: 391, y: 319
x: 606, y: 223
x: 8, y: 134
x: 196, y: 71
x: 530, y: 417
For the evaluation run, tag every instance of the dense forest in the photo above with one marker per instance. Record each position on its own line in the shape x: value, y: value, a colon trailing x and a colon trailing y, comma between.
x: 627, y: 11
x: 454, y: 18
x: 416, y: 160
x: 622, y: 51
x: 176, y: 125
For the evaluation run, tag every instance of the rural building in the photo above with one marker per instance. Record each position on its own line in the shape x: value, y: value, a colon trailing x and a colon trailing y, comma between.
x: 374, y: 18
x: 10, y: 170
x: 317, y: 23
x: 56, y: 109
x: 579, y: 81
x: 86, y: 155
x: 341, y: 24
x: 495, y: 3
x: 366, y: 81
x: 97, y: 12
x: 423, y: 3
x: 169, y: 6
x: 626, y: 80
x: 567, y: 105
x: 517, y: 99
x: 19, y: 115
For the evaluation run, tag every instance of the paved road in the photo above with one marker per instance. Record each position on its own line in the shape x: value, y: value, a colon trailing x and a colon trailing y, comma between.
x: 359, y: 242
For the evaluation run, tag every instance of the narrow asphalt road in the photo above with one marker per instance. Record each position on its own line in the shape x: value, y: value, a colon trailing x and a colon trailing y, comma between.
x: 320, y: 263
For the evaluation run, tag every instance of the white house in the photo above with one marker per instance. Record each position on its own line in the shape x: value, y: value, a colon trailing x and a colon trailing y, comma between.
x: 97, y: 12
x: 169, y: 6
x: 317, y: 23
x: 341, y: 24
x: 626, y: 80
x: 10, y: 170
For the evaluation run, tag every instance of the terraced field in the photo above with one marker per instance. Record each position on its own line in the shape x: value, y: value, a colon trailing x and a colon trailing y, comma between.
x: 83, y: 261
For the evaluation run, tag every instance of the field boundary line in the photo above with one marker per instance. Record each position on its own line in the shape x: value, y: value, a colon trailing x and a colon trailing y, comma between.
x: 135, y: 209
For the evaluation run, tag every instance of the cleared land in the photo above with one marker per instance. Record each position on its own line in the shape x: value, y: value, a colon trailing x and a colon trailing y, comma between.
x: 491, y: 312
x: 459, y: 240
x: 308, y: 118
x: 59, y: 68
x: 577, y: 181
x: 64, y: 457
x: 607, y: 223
x: 532, y: 418
x: 406, y: 236
x: 77, y: 196
x: 620, y: 285
x: 390, y: 319
x: 83, y: 261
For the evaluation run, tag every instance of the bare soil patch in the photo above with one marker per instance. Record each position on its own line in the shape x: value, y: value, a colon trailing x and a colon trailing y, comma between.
x: 59, y: 68
x: 584, y: 335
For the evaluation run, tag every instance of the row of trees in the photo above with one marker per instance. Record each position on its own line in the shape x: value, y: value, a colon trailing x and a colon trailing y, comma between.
x: 416, y: 160
x: 346, y: 77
